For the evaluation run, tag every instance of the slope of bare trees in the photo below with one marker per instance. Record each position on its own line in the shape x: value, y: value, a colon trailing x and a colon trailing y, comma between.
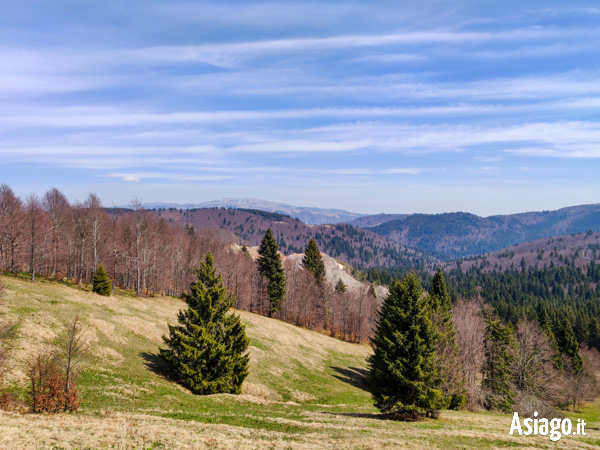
x: 150, y: 255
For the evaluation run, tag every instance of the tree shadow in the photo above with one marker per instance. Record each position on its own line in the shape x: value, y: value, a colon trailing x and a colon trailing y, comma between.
x: 376, y: 416
x: 355, y: 376
x: 158, y: 365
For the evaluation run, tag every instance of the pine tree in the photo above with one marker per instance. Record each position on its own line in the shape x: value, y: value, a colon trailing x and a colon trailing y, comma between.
x: 403, y: 378
x: 446, y: 348
x: 270, y: 267
x: 313, y: 260
x: 496, y: 367
x: 100, y: 283
x: 207, y: 349
x: 340, y: 287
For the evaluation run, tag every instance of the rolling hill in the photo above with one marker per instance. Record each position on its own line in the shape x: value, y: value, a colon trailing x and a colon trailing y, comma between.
x: 305, y: 390
x: 459, y: 235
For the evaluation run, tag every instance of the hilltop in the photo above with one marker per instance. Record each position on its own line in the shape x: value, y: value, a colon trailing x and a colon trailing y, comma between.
x: 305, y: 390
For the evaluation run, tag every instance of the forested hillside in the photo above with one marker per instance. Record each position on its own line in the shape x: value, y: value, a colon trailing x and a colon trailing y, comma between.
x: 356, y: 246
x: 459, y: 235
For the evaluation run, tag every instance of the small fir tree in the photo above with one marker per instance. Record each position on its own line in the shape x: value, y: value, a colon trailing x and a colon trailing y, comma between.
x: 270, y: 267
x: 207, y: 349
x: 314, y: 261
x: 372, y: 291
x: 340, y: 287
x: 403, y: 378
x: 101, y: 284
x: 496, y: 368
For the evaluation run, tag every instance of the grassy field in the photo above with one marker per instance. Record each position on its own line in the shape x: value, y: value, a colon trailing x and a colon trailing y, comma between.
x: 305, y: 390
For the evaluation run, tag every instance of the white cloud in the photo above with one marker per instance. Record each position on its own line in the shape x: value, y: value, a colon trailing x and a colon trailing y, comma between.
x: 131, y: 179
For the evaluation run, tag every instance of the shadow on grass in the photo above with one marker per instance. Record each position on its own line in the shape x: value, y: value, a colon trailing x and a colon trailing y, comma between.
x: 377, y: 416
x: 354, y: 376
x: 156, y: 364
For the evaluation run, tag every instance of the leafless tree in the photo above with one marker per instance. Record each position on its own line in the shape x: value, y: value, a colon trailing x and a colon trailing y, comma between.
x: 470, y: 334
x: 11, y: 226
x: 73, y: 349
x: 56, y: 205
x: 35, y: 222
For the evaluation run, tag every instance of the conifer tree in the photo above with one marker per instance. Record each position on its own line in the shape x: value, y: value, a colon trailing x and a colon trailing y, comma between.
x: 372, y: 292
x: 546, y: 326
x: 270, y: 267
x: 340, y: 287
x: 206, y: 349
x: 314, y: 261
x: 496, y: 367
x: 446, y: 348
x: 568, y: 344
x: 403, y: 378
x: 100, y: 283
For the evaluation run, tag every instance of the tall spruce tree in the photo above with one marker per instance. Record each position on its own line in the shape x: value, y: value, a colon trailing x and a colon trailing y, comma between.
x: 270, y: 267
x: 403, y: 378
x: 446, y: 348
x: 207, y: 349
x: 314, y: 261
x: 496, y: 368
x: 100, y: 283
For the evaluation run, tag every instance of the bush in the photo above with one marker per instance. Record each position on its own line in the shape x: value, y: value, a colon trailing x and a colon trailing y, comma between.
x: 457, y: 401
x: 47, y: 390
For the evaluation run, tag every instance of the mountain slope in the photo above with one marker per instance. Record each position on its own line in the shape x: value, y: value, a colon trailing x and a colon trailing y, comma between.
x: 459, y: 235
x: 359, y: 247
x: 576, y: 250
x: 305, y: 390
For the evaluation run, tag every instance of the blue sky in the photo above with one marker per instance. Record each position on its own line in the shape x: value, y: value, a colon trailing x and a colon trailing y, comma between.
x: 483, y: 106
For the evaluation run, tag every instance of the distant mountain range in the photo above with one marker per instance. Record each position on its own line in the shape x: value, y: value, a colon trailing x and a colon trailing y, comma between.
x: 308, y: 215
x: 459, y: 235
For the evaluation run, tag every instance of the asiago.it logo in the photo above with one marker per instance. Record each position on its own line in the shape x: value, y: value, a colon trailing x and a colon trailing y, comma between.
x: 555, y: 428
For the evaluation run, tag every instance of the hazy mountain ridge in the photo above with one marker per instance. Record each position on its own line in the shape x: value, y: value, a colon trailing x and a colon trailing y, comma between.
x: 309, y: 215
x: 459, y: 235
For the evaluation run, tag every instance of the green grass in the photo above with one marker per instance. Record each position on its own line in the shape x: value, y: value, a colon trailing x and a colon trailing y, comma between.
x: 303, y: 387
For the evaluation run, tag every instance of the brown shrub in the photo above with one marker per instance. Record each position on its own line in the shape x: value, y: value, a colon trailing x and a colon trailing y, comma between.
x: 47, y: 389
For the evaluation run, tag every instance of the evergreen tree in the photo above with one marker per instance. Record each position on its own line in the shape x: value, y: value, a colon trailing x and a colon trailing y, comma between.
x: 403, y: 378
x: 372, y: 292
x: 340, y: 287
x: 446, y: 348
x: 546, y: 326
x: 496, y: 367
x: 270, y: 267
x: 313, y: 260
x: 207, y: 349
x: 100, y: 283
x: 569, y: 345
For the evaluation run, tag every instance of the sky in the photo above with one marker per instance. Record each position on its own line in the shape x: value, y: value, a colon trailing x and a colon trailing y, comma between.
x: 489, y: 107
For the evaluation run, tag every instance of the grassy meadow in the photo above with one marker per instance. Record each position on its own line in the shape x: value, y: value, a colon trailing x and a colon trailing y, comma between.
x: 305, y: 389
